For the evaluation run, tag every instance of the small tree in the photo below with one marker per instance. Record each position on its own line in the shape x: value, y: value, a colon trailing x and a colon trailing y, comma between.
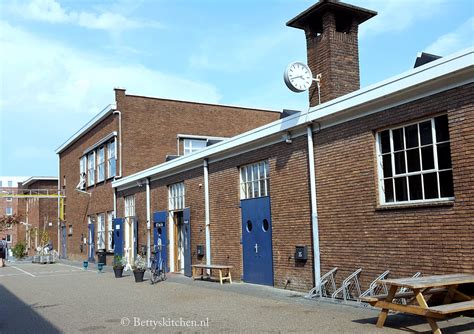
x: 7, y: 222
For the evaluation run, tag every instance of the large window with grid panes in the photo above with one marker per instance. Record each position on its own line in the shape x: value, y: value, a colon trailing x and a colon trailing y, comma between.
x: 176, y: 196
x: 254, y: 180
x: 193, y: 145
x: 101, y: 231
x: 129, y: 206
x: 110, y: 231
x: 414, y: 162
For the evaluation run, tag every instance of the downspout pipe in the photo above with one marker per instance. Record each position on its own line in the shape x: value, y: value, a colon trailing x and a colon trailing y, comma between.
x: 207, y: 212
x: 119, y: 142
x: 148, y: 221
x: 115, y: 203
x: 314, y: 209
x: 59, y: 206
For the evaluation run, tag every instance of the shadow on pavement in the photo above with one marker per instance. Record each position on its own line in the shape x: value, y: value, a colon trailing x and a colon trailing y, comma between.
x: 402, y: 322
x: 18, y: 317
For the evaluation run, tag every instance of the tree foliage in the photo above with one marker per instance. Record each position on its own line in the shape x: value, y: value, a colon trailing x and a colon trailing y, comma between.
x: 6, y: 222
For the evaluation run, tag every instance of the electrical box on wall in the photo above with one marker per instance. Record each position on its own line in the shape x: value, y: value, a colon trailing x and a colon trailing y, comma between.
x: 200, y: 250
x: 301, y: 253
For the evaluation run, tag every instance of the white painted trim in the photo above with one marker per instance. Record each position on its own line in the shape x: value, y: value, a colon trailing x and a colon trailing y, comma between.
x: 207, y: 213
x: 89, y: 125
x: 184, y: 136
x: 100, y: 142
x: 39, y: 178
x: 435, y: 76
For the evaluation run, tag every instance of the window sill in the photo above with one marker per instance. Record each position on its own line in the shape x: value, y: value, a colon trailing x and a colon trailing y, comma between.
x: 385, y: 207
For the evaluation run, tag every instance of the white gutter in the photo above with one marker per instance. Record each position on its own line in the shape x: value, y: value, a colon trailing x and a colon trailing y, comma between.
x: 314, y: 209
x: 207, y: 212
x: 425, y: 80
x: 148, y: 222
x: 120, y: 143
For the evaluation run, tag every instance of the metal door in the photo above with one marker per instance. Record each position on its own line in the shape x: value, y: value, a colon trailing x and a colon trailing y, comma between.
x: 160, y: 236
x: 187, y: 241
x: 91, y: 242
x: 257, y: 241
x: 63, y: 242
x: 118, y: 236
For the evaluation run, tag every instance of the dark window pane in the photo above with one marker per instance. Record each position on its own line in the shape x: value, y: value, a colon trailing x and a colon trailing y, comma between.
x: 411, y: 136
x: 425, y: 133
x: 415, y: 187
x: 399, y: 162
x: 444, y: 156
x: 431, y: 185
x: 388, y: 184
x: 446, y: 183
x: 427, y: 159
x: 398, y: 139
x: 387, y: 165
x: 401, y: 189
x: 413, y: 159
x: 385, y: 141
x: 442, y: 129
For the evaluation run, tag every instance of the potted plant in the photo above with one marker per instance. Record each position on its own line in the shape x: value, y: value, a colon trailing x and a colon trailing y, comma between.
x: 119, y: 264
x: 139, y: 268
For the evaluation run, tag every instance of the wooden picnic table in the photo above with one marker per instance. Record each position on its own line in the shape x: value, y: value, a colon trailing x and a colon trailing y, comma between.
x: 453, y: 301
x: 224, y: 272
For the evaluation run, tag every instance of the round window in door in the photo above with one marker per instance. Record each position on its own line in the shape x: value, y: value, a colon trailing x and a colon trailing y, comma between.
x: 249, y: 226
x: 265, y: 225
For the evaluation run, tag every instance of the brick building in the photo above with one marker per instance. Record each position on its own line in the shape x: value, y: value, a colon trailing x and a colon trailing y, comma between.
x: 375, y: 178
x: 133, y: 134
x: 9, y: 205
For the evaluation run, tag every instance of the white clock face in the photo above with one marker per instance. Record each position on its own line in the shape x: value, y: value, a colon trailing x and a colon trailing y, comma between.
x: 298, y: 77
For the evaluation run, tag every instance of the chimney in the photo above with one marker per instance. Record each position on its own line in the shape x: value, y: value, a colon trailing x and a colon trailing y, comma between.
x: 331, y: 29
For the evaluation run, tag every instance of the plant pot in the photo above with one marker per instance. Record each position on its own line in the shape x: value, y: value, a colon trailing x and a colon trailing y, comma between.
x: 138, y: 275
x: 118, y: 272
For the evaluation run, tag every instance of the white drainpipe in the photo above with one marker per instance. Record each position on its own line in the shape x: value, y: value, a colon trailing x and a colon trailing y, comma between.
x: 115, y: 203
x: 59, y: 205
x: 314, y: 208
x: 207, y: 213
x: 120, y: 143
x: 148, y: 221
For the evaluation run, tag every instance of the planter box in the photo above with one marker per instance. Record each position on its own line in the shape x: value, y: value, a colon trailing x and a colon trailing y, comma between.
x: 138, y: 275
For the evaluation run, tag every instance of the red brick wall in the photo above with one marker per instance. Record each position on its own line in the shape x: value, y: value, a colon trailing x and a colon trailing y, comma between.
x: 356, y: 233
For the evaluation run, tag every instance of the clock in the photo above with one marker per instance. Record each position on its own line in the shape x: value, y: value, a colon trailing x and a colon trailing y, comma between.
x: 298, y: 77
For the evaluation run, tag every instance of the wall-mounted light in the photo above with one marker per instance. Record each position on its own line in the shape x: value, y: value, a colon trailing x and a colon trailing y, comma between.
x: 287, y: 137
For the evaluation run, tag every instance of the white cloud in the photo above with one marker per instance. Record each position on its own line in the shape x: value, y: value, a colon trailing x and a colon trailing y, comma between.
x: 40, y: 76
x: 397, y: 15
x: 461, y: 38
x: 51, y: 11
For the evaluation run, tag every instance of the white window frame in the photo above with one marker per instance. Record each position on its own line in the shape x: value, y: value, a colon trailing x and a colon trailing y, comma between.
x: 110, y: 230
x: 255, y: 180
x: 101, y: 231
x: 101, y: 164
x: 9, y: 238
x: 10, y: 184
x: 112, y: 158
x: 189, y: 145
x: 91, y: 168
x: 82, y: 173
x: 9, y: 199
x: 176, y: 195
x: 436, y: 169
x: 8, y: 211
x: 129, y: 207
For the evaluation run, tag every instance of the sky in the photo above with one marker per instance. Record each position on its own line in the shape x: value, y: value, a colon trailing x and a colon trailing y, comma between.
x: 61, y: 59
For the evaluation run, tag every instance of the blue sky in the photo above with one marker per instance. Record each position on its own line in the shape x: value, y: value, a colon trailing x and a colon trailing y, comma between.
x: 60, y: 60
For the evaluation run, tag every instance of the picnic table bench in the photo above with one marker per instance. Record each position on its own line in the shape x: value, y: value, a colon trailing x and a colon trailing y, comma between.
x: 453, y: 301
x: 224, y: 272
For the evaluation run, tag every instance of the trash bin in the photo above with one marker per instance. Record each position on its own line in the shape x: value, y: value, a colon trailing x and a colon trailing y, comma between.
x: 102, y: 256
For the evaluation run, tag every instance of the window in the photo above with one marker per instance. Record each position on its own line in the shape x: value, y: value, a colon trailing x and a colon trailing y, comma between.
x: 130, y: 206
x: 9, y: 238
x: 82, y: 173
x: 110, y: 230
x: 194, y: 145
x: 70, y: 230
x: 10, y: 184
x: 415, y: 162
x: 9, y: 199
x: 111, y: 159
x: 8, y: 211
x: 1, y: 185
x: 101, y: 164
x: 254, y: 180
x: 101, y: 231
x: 91, y: 169
x: 176, y: 196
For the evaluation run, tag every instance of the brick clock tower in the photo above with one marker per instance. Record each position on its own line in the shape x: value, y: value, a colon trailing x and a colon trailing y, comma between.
x: 331, y: 29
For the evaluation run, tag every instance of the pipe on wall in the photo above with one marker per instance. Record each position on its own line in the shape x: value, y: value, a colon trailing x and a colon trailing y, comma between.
x: 314, y: 209
x: 120, y: 143
x: 207, y: 212
x: 148, y: 221
x: 59, y: 206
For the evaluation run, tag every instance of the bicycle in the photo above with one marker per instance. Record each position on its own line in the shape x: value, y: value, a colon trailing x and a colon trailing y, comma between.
x: 157, y: 268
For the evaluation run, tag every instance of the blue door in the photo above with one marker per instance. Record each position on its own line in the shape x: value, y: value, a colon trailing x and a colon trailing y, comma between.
x: 160, y: 235
x: 91, y: 243
x: 187, y: 241
x: 63, y: 242
x: 118, y: 236
x: 257, y: 241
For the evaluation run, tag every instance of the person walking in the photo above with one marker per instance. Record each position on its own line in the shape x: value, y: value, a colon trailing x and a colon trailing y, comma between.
x: 3, y: 252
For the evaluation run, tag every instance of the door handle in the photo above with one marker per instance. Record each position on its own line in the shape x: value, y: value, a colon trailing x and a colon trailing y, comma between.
x: 256, y: 248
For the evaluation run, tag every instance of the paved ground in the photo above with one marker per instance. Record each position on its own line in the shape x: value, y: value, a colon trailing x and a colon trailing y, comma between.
x: 64, y: 298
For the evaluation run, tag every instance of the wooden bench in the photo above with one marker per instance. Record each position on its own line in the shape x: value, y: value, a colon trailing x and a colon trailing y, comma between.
x: 221, y: 268
x: 408, y: 294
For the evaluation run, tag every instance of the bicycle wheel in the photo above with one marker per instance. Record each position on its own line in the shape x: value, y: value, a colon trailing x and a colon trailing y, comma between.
x: 154, y: 276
